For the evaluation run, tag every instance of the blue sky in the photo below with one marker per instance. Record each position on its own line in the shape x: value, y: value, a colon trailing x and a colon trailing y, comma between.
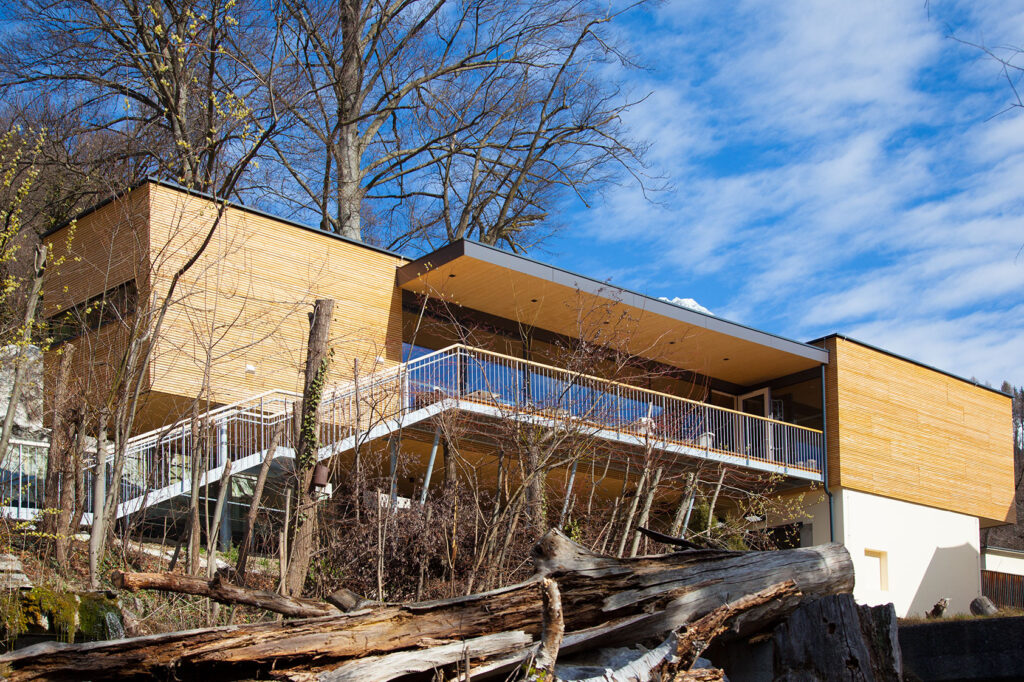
x: 837, y: 166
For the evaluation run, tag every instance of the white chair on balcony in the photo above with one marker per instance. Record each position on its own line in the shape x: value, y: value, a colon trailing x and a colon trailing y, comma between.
x: 706, y: 440
x: 645, y: 425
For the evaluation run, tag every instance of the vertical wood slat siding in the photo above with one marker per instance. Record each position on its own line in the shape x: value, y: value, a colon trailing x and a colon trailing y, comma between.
x: 245, y: 302
x: 1004, y: 589
x: 904, y: 431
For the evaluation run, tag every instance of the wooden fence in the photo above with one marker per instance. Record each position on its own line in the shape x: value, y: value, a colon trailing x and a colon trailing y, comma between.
x: 1004, y: 589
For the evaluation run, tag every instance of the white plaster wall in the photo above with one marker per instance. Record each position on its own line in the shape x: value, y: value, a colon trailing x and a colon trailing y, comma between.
x: 930, y: 553
x: 816, y: 508
x: 1003, y: 562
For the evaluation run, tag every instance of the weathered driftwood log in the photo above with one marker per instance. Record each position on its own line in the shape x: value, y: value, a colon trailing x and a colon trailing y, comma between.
x: 696, y: 637
x: 552, y: 629
x: 701, y: 675
x: 674, y: 658
x: 220, y: 590
x: 834, y: 638
x: 604, y: 600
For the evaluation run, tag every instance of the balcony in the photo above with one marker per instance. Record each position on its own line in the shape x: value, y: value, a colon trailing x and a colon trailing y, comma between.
x: 504, y: 387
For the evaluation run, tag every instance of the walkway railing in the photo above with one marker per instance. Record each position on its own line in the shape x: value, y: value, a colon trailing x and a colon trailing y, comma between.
x: 459, y: 376
x: 22, y: 477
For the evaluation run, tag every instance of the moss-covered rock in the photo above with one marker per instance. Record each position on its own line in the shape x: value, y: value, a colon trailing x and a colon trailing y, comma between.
x: 66, y: 616
x: 99, y: 617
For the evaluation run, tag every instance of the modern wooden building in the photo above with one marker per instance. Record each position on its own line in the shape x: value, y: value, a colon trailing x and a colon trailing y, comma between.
x: 914, y: 460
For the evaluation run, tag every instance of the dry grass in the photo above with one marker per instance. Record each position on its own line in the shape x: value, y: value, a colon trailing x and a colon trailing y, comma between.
x: 1005, y: 612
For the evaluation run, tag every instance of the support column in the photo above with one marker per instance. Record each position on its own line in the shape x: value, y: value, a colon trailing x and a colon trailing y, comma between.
x: 224, y: 540
x: 394, y: 471
x: 430, y: 466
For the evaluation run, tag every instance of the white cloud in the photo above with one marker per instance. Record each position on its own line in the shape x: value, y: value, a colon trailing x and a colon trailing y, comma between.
x: 836, y: 169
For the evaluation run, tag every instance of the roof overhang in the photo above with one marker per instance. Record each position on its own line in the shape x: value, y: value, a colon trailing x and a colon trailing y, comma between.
x: 503, y: 284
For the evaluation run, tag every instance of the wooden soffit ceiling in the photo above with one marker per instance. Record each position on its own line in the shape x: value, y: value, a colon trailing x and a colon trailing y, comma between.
x: 534, y: 294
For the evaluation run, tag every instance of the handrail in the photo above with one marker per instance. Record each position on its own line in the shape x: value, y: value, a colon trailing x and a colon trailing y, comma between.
x: 613, y: 382
x: 162, y: 431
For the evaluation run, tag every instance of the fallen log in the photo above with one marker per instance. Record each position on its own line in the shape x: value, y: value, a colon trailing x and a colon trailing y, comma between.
x: 552, y: 629
x: 696, y: 637
x: 604, y: 601
x: 224, y: 592
x: 686, y: 644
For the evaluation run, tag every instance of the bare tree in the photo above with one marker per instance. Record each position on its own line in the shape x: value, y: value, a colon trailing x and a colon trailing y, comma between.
x: 475, y: 115
x: 168, y: 83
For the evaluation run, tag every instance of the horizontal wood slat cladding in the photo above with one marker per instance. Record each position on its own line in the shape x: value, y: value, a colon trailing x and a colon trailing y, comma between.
x: 246, y: 301
x: 99, y: 251
x: 904, y: 431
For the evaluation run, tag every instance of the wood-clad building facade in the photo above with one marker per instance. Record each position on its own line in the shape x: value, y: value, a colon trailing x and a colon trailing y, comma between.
x: 899, y: 429
x: 885, y: 436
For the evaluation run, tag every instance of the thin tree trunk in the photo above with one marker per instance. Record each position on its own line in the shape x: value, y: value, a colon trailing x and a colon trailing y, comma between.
x: 282, y: 545
x: 628, y: 520
x: 535, y: 490
x: 568, y: 493
x: 198, y: 464
x: 714, y: 501
x: 646, y: 512
x: 182, y: 539
x: 615, y: 509
x: 79, y: 465
x: 20, y: 366
x: 59, y: 486
x: 214, y: 536
x: 304, y: 528
x: 99, y: 486
x: 450, y: 473
x: 685, y: 503
x: 357, y: 489
x: 254, y: 508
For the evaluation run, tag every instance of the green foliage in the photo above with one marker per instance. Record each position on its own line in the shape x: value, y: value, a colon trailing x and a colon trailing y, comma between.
x: 307, y: 432
x: 12, y: 618
x: 62, y: 610
x: 573, y: 530
x: 93, y: 614
x: 43, y: 610
x: 230, y: 555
